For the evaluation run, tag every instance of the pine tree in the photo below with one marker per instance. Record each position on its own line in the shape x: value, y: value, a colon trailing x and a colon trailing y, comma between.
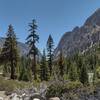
x: 22, y: 69
x: 83, y: 75
x: 43, y: 68
x: 25, y: 69
x: 73, y: 75
x: 68, y: 65
x: 6, y: 69
x: 32, y: 39
x: 61, y: 64
x: 93, y: 62
x: 79, y: 62
x: 9, y: 52
x: 50, y: 45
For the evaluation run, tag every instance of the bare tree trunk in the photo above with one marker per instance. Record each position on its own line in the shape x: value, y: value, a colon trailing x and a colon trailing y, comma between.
x: 12, y: 70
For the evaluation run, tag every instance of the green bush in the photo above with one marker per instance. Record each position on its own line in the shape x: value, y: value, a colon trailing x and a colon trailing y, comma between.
x: 54, y: 90
x: 73, y: 85
x: 59, y: 88
x: 98, y: 72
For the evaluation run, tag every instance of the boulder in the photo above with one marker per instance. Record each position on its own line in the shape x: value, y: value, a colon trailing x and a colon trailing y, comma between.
x: 36, y: 96
x: 1, y: 98
x: 36, y: 99
x: 54, y: 98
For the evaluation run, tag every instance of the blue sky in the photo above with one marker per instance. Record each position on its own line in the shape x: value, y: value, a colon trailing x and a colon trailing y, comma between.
x: 53, y: 17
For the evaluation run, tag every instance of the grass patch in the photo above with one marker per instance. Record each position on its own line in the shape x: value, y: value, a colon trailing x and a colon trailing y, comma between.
x: 11, y: 85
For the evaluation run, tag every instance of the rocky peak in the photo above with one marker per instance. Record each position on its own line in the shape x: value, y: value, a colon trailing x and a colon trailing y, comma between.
x: 81, y: 38
x: 94, y: 19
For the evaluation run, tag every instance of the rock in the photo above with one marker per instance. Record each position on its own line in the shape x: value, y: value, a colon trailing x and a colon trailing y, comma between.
x: 36, y: 96
x: 14, y: 96
x: 42, y: 89
x: 80, y: 38
x: 1, y: 98
x: 36, y: 99
x: 54, y: 98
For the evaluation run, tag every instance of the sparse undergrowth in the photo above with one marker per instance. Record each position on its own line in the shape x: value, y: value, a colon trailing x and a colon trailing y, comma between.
x: 68, y: 90
x: 58, y: 88
x: 71, y: 90
x: 11, y: 85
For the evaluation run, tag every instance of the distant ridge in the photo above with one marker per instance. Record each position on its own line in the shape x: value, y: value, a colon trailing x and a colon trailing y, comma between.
x: 22, y: 47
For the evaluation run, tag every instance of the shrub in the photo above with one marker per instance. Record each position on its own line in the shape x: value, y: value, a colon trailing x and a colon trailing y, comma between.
x: 54, y: 90
x: 59, y: 88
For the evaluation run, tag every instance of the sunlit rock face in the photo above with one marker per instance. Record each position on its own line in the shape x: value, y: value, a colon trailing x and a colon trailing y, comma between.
x: 81, y: 38
x: 94, y: 19
x: 1, y: 98
x: 54, y: 98
x: 36, y: 99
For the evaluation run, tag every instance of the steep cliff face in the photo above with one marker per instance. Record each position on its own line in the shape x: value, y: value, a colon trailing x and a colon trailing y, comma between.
x: 81, y: 38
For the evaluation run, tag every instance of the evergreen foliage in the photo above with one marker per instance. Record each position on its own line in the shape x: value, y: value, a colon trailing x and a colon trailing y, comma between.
x: 61, y: 64
x: 73, y: 75
x: 50, y: 47
x: 25, y: 69
x: 43, y: 68
x: 32, y: 39
x: 28, y: 67
x: 9, y: 53
x: 68, y: 65
x: 83, y: 75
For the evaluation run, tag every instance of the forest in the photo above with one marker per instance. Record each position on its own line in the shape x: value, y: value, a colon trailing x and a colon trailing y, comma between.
x: 60, y: 74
